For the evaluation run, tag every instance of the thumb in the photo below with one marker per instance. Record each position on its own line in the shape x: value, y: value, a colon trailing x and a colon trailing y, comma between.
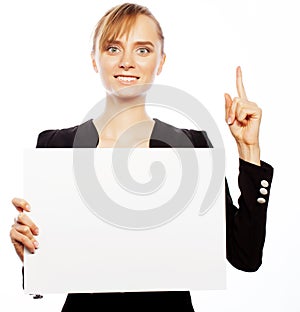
x: 228, y: 105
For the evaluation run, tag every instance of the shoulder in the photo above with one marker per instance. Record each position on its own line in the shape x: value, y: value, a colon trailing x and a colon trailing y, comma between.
x: 57, y: 137
x: 181, y: 137
x: 83, y: 135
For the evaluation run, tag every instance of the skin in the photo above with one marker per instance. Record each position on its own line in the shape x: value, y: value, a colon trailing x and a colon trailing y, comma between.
x: 131, y: 58
x: 23, y: 232
x: 138, y: 55
x: 243, y: 118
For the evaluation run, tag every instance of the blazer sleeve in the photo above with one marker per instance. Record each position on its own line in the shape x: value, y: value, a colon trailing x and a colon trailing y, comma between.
x: 246, y: 224
x: 56, y: 138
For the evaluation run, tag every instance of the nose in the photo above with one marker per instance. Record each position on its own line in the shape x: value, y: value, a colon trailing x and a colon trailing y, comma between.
x: 126, y: 65
x: 126, y: 62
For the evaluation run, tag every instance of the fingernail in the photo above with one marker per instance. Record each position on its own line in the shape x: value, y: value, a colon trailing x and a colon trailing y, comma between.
x: 37, y: 231
x: 229, y: 120
x: 36, y: 244
x: 28, y: 207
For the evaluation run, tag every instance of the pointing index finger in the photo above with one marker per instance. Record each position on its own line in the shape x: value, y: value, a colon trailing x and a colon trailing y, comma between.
x: 239, y: 84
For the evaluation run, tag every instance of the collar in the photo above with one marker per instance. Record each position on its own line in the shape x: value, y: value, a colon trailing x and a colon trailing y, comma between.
x: 163, y: 135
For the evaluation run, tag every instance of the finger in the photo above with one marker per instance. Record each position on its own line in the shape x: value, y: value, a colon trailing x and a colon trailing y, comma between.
x: 239, y: 84
x: 228, y: 103
x: 20, y: 239
x: 23, y: 219
x: 21, y: 204
x: 19, y: 248
x: 241, y: 115
x: 246, y: 111
x: 24, y: 229
x: 231, y: 114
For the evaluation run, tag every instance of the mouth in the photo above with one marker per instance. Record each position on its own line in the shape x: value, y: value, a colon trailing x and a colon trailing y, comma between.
x: 126, y: 78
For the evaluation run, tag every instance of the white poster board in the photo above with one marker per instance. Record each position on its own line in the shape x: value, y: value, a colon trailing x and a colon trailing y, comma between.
x: 81, y: 251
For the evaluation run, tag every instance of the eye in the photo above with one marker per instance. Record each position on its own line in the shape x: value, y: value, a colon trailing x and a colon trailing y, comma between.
x: 113, y: 49
x: 143, y: 51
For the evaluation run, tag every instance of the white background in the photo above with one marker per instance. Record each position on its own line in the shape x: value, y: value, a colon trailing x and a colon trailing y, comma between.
x: 47, y: 82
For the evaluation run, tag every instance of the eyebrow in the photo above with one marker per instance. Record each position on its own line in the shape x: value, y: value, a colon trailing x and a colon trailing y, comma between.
x: 136, y: 43
x: 145, y: 43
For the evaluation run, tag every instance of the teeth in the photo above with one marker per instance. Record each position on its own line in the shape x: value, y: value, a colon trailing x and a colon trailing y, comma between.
x: 126, y: 78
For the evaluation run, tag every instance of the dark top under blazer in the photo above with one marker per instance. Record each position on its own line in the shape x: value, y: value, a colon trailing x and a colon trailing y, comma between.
x: 245, y: 226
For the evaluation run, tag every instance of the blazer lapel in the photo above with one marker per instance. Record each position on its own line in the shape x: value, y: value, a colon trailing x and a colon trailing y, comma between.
x: 86, y: 135
x: 163, y: 135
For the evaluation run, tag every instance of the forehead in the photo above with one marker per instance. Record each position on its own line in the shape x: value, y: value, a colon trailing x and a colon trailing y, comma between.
x: 143, y: 28
x: 128, y: 29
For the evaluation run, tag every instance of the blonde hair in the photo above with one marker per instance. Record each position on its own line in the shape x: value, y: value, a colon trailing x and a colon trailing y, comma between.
x: 119, y: 21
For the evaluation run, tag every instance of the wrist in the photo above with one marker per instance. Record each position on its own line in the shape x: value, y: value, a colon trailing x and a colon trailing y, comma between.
x: 249, y: 153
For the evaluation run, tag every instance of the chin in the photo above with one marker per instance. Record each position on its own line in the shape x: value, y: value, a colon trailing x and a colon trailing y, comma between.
x: 130, y: 92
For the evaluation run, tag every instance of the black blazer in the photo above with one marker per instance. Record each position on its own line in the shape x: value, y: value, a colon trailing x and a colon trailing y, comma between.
x: 245, y: 226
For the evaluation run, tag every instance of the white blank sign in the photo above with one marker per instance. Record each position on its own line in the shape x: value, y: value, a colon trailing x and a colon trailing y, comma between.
x: 82, y: 252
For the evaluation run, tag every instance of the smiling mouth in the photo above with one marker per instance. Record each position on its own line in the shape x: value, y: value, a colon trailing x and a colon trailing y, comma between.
x: 126, y: 78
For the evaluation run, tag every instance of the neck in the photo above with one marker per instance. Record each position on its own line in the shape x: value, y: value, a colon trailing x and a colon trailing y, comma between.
x: 120, y: 114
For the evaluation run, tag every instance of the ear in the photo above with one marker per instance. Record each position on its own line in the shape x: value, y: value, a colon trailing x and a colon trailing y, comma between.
x: 161, y: 64
x: 94, y: 62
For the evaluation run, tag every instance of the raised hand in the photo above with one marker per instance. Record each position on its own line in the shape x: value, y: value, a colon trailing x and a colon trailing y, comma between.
x: 243, y: 118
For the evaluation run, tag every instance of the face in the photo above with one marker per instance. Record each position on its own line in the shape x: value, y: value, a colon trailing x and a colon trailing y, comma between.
x: 128, y: 63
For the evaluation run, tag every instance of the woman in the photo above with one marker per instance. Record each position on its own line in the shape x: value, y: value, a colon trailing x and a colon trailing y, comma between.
x: 128, y: 52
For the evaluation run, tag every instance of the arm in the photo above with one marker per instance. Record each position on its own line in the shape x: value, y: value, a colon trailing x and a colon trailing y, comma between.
x: 246, y: 225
